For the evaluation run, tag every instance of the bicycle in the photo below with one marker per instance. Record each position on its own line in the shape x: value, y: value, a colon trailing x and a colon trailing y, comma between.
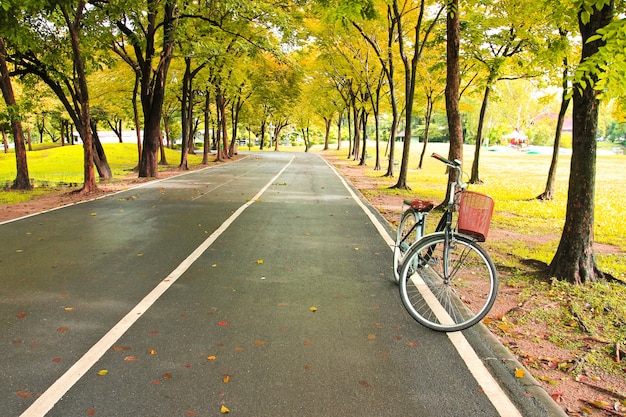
x: 447, y: 281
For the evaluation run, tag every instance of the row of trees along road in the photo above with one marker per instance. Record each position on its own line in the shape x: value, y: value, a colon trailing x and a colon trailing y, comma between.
x: 273, y: 65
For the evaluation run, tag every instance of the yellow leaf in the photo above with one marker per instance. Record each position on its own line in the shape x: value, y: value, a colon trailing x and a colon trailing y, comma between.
x: 153, y: 351
x: 212, y: 358
x: 93, y: 214
x: 214, y: 265
x: 68, y: 308
x: 600, y: 404
x: 140, y: 254
x: 519, y: 373
x: 503, y: 327
x: 371, y: 336
x: 103, y: 372
x: 313, y: 309
x: 226, y: 379
x: 224, y: 410
x: 259, y: 261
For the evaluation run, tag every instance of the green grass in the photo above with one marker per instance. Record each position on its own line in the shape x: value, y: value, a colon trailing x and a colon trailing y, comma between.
x: 50, y: 166
x: 514, y: 179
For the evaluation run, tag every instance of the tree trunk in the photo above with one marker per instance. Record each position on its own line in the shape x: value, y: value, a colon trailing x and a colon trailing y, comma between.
x: 357, y: 132
x: 136, y: 118
x: 206, y: 149
x: 153, y: 85
x: 548, y: 193
x: 475, y: 179
x: 574, y: 260
x: 99, y: 157
x: 83, y: 121
x: 364, y: 117
x: 22, y: 180
x: 453, y: 80
x: 427, y: 118
x: 185, y: 115
x: 339, y: 123
x: 163, y: 160
x: 222, y: 151
x: 327, y: 123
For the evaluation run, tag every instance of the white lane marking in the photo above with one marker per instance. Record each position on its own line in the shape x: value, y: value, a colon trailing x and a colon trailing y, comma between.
x: 53, y: 394
x: 491, y: 388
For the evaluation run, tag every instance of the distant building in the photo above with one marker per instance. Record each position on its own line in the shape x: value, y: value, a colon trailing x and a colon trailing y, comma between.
x: 567, y: 122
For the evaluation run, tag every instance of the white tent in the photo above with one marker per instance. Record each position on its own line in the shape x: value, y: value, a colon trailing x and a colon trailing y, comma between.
x: 516, y: 138
x: 516, y: 134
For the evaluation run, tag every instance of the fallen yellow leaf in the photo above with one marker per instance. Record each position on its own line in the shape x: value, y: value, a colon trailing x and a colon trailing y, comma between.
x: 224, y: 410
x: 212, y: 358
x: 519, y: 373
x: 103, y: 372
x: 259, y: 261
x: 599, y: 403
x: 313, y: 309
x: 226, y: 379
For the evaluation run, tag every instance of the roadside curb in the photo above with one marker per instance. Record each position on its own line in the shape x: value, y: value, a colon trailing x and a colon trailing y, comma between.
x: 531, y: 386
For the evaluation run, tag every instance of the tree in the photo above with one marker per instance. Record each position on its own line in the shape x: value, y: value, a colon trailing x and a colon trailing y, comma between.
x: 453, y: 85
x: 385, y: 55
x: 418, y: 43
x: 22, y: 179
x: 136, y: 44
x: 59, y: 59
x: 499, y: 33
x: 574, y: 260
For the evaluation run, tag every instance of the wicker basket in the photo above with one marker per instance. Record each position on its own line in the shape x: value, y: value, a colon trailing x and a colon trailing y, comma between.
x: 475, y: 213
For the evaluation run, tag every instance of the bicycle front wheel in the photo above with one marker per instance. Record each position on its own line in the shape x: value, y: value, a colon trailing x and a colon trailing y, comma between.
x: 448, y: 287
x: 408, y: 232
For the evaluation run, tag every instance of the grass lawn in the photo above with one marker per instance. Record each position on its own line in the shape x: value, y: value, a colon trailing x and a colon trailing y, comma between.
x: 50, y: 166
x: 514, y: 179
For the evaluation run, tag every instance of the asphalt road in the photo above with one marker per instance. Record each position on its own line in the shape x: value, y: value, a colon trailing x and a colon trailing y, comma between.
x: 261, y: 287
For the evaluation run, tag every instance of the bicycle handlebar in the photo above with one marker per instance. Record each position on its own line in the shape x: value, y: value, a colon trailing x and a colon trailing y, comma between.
x: 456, y: 164
x: 451, y: 164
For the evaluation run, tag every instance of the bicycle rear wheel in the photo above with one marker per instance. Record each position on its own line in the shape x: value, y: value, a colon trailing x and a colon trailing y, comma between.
x: 409, y: 231
x: 448, y: 290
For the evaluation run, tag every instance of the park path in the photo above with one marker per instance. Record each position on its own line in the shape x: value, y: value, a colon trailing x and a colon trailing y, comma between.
x: 261, y: 288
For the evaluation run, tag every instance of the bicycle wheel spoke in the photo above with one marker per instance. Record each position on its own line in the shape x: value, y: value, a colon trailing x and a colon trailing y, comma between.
x: 451, y: 301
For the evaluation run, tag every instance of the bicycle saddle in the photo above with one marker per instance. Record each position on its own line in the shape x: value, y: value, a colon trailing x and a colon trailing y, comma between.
x: 420, y: 205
